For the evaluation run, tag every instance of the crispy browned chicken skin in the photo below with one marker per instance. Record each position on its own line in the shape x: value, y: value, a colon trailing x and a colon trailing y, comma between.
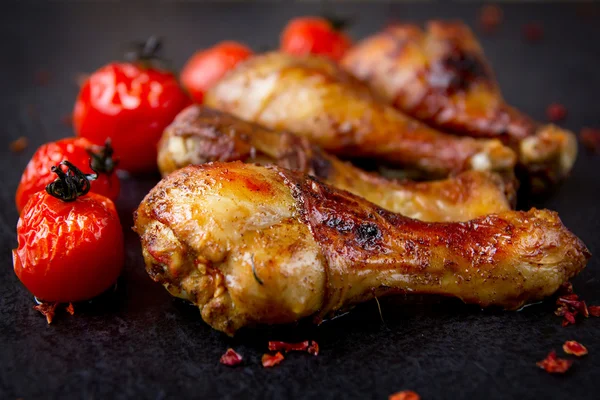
x: 442, y: 77
x: 314, y: 98
x: 254, y: 245
x: 200, y: 134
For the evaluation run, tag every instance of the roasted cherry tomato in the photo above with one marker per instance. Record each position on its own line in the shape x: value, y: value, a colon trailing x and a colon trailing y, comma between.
x: 206, y: 67
x: 314, y: 35
x: 131, y: 103
x: 79, y: 151
x: 70, y: 246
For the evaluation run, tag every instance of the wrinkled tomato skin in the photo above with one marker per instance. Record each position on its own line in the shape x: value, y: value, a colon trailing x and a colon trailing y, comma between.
x: 206, y: 67
x: 314, y: 35
x: 68, y: 251
x: 37, y: 173
x: 132, y: 105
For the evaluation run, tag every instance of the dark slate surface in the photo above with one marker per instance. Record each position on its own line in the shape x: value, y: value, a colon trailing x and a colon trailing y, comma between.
x: 140, y: 343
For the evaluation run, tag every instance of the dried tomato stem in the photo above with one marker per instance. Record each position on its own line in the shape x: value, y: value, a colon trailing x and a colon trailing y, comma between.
x: 102, y: 160
x: 70, y: 184
x: 147, y: 53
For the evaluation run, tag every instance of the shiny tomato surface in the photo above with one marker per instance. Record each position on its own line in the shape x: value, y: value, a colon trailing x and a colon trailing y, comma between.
x: 68, y: 251
x: 37, y: 174
x: 132, y: 105
x: 207, y: 66
x: 314, y: 35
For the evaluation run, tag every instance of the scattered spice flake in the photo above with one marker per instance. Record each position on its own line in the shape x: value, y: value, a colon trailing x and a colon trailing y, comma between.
x: 283, y: 346
x: 313, y: 349
x: 574, y: 348
x: 47, y: 309
x: 533, y: 32
x: 67, y: 120
x: 590, y: 138
x: 554, y: 365
x: 271, y: 360
x: 42, y: 77
x: 17, y: 146
x: 594, y: 311
x: 405, y: 395
x: 70, y: 309
x: 231, y: 358
x: 573, y: 304
x: 556, y: 112
x: 490, y: 18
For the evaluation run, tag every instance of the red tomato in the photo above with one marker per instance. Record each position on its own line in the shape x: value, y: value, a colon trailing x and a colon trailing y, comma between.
x: 68, y: 251
x: 37, y: 174
x: 206, y: 67
x: 314, y: 35
x: 131, y: 104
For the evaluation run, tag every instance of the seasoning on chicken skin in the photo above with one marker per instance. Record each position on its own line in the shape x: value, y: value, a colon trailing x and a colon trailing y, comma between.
x: 314, y: 98
x: 441, y: 76
x: 255, y: 245
x: 200, y: 134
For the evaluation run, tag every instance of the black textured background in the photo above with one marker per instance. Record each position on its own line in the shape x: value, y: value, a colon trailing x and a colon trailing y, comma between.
x: 141, y: 343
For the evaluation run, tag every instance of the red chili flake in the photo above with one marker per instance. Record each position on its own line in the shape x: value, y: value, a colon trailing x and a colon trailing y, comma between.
x: 17, y: 146
x: 572, y: 302
x: 405, y: 395
x: 70, y: 309
x: 533, y: 32
x: 554, y: 365
x: 231, y: 358
x: 565, y: 288
x: 594, y: 311
x: 556, y: 112
x: 575, y: 348
x: 67, y: 120
x: 590, y: 138
x: 271, y: 360
x: 490, y: 18
x: 42, y: 77
x: 313, y: 349
x: 47, y: 309
x: 283, y: 346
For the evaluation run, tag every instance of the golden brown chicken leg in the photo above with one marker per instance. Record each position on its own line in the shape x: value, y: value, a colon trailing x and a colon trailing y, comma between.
x: 254, y: 245
x: 313, y: 97
x: 199, y: 135
x: 442, y: 77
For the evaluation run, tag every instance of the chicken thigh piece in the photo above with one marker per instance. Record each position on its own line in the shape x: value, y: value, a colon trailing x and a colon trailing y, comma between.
x: 442, y: 77
x: 200, y: 135
x: 314, y: 98
x: 265, y: 245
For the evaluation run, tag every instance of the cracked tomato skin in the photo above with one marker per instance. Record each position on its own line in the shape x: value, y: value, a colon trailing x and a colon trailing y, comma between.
x: 132, y: 105
x: 314, y: 35
x: 68, y: 251
x: 207, y: 66
x: 38, y: 172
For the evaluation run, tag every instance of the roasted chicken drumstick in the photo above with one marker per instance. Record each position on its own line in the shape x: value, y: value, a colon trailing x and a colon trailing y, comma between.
x: 441, y: 76
x: 255, y: 245
x: 313, y: 97
x: 199, y: 135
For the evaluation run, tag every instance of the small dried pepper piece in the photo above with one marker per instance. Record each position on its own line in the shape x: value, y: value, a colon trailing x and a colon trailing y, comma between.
x: 556, y: 112
x: 590, y: 138
x: 405, y: 395
x: 594, y: 311
x: 271, y: 360
x: 17, y: 146
x: 490, y: 18
x: 70, y: 309
x: 554, y: 365
x: 309, y: 346
x: 533, y: 31
x: 574, y: 348
x: 47, y: 309
x: 313, y: 349
x: 231, y: 358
